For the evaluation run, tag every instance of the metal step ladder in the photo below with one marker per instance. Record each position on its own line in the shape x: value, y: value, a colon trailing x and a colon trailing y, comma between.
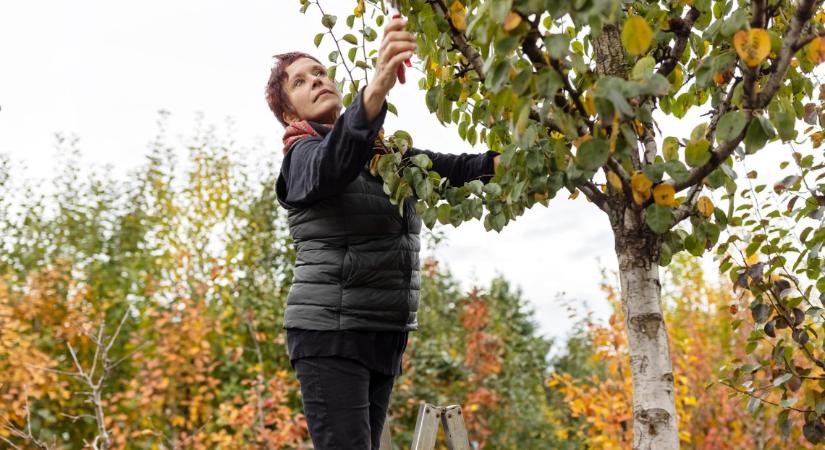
x: 426, y: 428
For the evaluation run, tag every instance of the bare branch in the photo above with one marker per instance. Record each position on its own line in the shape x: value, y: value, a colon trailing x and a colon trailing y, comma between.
x: 595, y: 195
x: 685, y: 209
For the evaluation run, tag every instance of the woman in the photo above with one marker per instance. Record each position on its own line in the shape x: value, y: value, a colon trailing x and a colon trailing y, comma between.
x: 355, y: 290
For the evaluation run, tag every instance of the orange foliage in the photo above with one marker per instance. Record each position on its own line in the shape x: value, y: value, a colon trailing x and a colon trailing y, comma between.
x: 699, y: 318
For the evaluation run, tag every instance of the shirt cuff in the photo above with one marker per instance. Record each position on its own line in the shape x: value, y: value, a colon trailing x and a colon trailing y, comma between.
x: 488, y: 168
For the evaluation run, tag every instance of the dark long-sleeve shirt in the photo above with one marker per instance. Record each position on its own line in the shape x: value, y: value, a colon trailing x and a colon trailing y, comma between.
x: 319, y: 167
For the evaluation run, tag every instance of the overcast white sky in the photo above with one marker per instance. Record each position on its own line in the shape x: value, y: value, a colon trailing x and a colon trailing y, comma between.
x: 102, y: 70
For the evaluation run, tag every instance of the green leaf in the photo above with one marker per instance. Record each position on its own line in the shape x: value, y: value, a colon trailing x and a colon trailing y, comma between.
x: 333, y: 56
x: 431, y: 99
x: 730, y: 125
x: 422, y: 161
x: 498, y: 75
x: 499, y: 10
x: 328, y: 20
x: 592, y: 154
x: 670, y: 148
x: 658, y: 217
x: 318, y: 38
x: 643, y: 68
x: 349, y: 37
x: 444, y: 213
x: 697, y: 152
x: 352, y: 53
x: 492, y: 189
x: 759, y: 133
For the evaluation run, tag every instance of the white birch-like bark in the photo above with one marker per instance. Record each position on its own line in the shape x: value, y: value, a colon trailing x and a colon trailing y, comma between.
x: 655, y: 424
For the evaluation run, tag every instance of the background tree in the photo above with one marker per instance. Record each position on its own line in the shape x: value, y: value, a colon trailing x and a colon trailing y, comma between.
x: 147, y: 312
x: 702, y: 320
x: 571, y: 94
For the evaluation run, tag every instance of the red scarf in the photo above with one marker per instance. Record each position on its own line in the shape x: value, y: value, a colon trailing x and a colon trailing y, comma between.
x: 299, y: 130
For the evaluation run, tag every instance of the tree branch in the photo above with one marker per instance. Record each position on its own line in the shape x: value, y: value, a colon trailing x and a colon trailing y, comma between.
x: 682, y: 29
x: 595, y: 195
x: 460, y: 41
x: 789, y: 43
x: 685, y: 209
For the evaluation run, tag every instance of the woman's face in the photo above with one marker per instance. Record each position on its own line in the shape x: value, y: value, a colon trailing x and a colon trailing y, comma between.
x: 313, y: 96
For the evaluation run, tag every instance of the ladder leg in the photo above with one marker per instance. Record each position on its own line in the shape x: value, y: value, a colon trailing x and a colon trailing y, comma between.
x: 454, y: 429
x: 386, y: 442
x: 426, y: 427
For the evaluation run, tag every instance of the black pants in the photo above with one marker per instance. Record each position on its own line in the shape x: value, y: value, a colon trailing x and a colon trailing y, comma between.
x: 345, y: 402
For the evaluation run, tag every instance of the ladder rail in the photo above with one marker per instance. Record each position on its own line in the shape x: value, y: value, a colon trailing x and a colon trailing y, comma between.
x: 426, y: 428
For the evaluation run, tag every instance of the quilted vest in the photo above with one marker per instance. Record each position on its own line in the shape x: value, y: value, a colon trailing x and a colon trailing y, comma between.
x: 357, y: 262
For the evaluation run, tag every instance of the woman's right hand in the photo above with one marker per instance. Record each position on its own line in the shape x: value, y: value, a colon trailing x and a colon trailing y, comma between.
x: 396, y: 46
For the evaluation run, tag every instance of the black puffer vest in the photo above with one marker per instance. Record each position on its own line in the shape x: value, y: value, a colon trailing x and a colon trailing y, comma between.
x: 357, y: 265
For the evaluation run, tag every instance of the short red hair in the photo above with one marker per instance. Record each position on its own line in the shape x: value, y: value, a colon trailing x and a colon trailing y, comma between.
x: 275, y: 96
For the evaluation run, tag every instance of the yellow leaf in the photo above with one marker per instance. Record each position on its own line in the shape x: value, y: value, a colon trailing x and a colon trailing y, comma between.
x: 640, y: 182
x: 663, y: 194
x: 636, y: 35
x: 458, y: 21
x: 589, y: 104
x: 752, y: 259
x: 359, y: 10
x: 639, y: 198
x: 753, y: 46
x: 614, y: 180
x: 816, y: 50
x: 640, y: 185
x: 456, y: 6
x: 705, y: 206
x: 178, y: 420
x: 512, y: 21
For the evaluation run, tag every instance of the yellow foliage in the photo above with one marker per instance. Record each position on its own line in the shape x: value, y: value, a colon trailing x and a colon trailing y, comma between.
x: 753, y: 46
x: 512, y: 21
x: 663, y: 194
x: 705, y: 206
x: 457, y: 16
x: 636, y: 35
x: 816, y: 50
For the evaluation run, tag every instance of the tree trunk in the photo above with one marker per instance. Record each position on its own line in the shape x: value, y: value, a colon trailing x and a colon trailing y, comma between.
x: 655, y: 425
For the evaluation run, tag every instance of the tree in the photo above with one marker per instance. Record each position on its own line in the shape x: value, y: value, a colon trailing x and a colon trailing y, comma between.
x: 147, y: 312
x: 701, y: 315
x: 572, y: 94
